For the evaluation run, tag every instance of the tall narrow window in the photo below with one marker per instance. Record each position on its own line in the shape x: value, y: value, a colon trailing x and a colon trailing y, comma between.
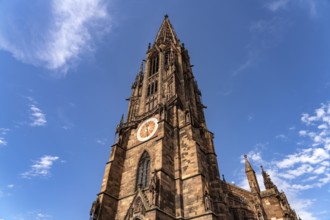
x: 167, y: 57
x: 152, y: 88
x: 153, y: 65
x: 143, y: 171
x: 156, y: 86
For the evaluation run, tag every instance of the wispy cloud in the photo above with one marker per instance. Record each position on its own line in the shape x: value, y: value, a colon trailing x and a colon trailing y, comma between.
x: 68, y: 29
x: 6, y: 191
x: 32, y: 215
x: 265, y: 34
x: 41, y: 167
x: 277, y: 5
x: 248, y: 62
x: 37, y: 116
x: 102, y: 141
x: 282, y: 137
x: 10, y: 186
x: 3, y: 133
x: 311, y: 6
x: 41, y: 216
x: 292, y: 128
x: 66, y: 122
x: 313, y: 160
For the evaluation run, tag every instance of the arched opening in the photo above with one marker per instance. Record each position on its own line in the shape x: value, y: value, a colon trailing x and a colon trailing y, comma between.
x: 154, y: 65
x: 143, y: 172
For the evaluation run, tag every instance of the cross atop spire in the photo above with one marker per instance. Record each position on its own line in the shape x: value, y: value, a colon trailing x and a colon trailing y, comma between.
x: 166, y: 33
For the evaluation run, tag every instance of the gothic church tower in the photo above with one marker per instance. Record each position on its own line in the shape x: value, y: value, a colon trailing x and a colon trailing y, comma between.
x: 163, y: 165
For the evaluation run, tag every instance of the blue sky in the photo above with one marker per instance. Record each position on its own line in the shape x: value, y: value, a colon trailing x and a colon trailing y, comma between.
x: 67, y: 67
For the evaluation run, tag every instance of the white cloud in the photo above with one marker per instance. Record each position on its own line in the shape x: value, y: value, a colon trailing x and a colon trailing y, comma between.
x: 292, y: 128
x: 3, y: 133
x: 37, y: 116
x: 5, y: 192
x: 309, y: 155
x: 276, y: 5
x: 71, y: 28
x: 40, y: 168
x: 102, y: 141
x: 310, y: 178
x: 311, y: 6
x: 302, y: 206
x: 10, y: 186
x: 32, y: 215
x: 320, y: 170
x: 302, y: 133
x: 3, y: 142
x: 41, y: 216
x: 282, y: 137
x: 255, y: 156
x: 243, y: 67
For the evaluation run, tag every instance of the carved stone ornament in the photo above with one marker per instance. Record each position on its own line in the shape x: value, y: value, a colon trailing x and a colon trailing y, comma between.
x: 138, y: 207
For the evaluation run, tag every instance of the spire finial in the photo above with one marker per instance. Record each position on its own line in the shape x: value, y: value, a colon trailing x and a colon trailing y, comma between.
x: 141, y: 66
x: 166, y: 33
x: 262, y: 168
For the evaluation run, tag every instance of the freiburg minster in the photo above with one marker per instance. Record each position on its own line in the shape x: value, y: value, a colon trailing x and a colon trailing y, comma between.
x: 163, y: 165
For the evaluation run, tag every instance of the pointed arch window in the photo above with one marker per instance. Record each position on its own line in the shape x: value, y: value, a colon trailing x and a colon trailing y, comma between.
x: 154, y: 64
x: 143, y: 173
x: 152, y: 88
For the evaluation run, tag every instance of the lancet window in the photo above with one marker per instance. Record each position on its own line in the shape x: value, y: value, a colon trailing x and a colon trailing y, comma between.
x: 152, y: 88
x: 152, y: 97
x: 143, y: 173
x: 154, y: 64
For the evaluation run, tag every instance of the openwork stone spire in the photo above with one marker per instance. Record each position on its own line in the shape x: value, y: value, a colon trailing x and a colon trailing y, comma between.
x: 267, y: 180
x: 166, y: 33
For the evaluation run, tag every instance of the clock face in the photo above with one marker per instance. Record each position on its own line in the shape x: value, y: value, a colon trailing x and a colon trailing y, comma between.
x: 147, y: 129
